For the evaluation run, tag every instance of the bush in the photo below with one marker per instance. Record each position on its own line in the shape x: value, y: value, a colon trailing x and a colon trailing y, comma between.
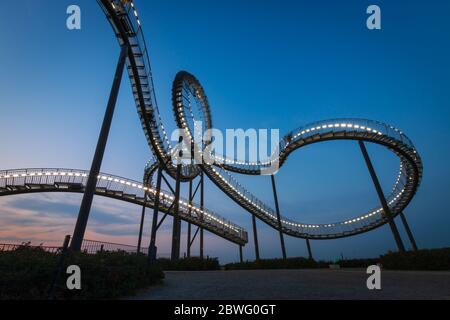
x: 428, y: 260
x: 27, y: 273
x: 357, y: 263
x: 189, y: 264
x: 291, y: 263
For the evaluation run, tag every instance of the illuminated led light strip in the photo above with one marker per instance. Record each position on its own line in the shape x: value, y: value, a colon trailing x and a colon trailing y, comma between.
x: 222, y: 159
x: 164, y: 138
x: 272, y: 216
x: 135, y: 185
x: 289, y: 223
x: 312, y: 129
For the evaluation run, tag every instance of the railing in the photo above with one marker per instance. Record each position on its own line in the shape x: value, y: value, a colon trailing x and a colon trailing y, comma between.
x: 93, y: 247
x: 143, y: 88
x: 88, y: 246
x: 402, y: 191
x: 122, y: 187
x: 7, y: 247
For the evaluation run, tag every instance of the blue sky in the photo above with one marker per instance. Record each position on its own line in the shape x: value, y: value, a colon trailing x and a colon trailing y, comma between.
x: 271, y: 64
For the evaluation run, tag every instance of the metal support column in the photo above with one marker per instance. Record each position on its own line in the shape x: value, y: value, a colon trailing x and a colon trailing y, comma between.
x: 408, y: 232
x: 176, y: 230
x: 255, y: 237
x: 189, y: 224
x: 308, y: 245
x: 280, y: 225
x: 86, y: 204
x: 202, y: 206
x: 59, y: 268
x: 141, y: 226
x: 241, y: 255
x: 152, y: 248
x: 386, y: 209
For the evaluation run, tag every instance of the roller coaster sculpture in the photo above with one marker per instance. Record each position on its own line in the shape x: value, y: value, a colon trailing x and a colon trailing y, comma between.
x: 188, y: 92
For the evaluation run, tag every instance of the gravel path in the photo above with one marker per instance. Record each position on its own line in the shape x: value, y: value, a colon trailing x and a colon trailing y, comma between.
x: 298, y: 284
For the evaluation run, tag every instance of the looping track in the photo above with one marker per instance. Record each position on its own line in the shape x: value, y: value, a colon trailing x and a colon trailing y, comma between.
x: 125, y: 22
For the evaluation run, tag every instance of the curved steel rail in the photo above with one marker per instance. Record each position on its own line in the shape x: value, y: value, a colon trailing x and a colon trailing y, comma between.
x: 127, y: 27
x: 408, y: 180
x: 403, y: 191
x: 22, y: 181
x: 125, y: 22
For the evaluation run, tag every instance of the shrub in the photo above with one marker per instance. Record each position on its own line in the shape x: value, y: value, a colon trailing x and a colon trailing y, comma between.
x: 189, y: 264
x: 433, y: 259
x: 27, y: 273
x: 291, y: 263
x: 357, y: 263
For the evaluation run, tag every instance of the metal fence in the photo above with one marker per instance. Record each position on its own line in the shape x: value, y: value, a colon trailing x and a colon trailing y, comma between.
x: 12, y: 247
x: 89, y: 247
x: 93, y: 247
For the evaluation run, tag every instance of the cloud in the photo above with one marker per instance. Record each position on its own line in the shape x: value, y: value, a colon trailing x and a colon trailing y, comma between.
x: 48, y: 217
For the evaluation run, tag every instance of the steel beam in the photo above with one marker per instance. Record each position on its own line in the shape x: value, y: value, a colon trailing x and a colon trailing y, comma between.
x: 141, y: 226
x: 280, y: 225
x: 86, y: 204
x: 196, y: 190
x: 59, y: 268
x: 386, y: 209
x: 202, y: 207
x: 241, y: 255
x: 176, y: 229
x: 308, y: 245
x: 152, y: 248
x: 163, y: 218
x: 195, y: 235
x: 168, y: 185
x: 255, y: 237
x: 189, y: 224
x: 408, y: 232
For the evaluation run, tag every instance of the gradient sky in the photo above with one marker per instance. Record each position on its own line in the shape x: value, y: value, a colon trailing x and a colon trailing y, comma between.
x: 266, y: 64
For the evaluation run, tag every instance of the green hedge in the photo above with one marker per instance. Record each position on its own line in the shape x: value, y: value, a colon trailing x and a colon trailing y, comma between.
x: 189, y: 264
x: 357, y: 263
x: 27, y: 273
x: 427, y: 260
x: 291, y: 263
